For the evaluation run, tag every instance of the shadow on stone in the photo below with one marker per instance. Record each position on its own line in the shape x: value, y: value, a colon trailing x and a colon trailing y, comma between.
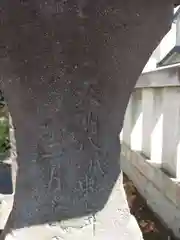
x: 5, y: 179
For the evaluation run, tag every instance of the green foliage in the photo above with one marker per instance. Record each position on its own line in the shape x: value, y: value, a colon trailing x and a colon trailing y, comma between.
x: 4, y: 135
x: 4, y: 126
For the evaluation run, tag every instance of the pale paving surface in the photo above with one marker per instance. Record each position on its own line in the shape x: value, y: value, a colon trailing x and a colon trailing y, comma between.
x: 117, y: 223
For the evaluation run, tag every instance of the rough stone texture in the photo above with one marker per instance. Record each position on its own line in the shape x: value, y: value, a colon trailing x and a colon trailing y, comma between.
x: 110, y: 229
x: 67, y: 71
x: 161, y: 192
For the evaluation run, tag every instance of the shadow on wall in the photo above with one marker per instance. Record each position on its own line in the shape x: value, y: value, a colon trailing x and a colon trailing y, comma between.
x: 152, y: 127
x: 144, y: 118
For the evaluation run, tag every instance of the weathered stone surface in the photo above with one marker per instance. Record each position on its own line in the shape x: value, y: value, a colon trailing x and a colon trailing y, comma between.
x: 67, y: 71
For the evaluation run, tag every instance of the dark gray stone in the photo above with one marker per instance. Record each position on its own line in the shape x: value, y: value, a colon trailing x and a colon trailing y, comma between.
x: 67, y: 71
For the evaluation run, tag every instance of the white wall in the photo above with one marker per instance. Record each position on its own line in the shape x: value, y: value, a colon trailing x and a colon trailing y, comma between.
x: 169, y: 41
x: 152, y: 118
x: 150, y: 140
